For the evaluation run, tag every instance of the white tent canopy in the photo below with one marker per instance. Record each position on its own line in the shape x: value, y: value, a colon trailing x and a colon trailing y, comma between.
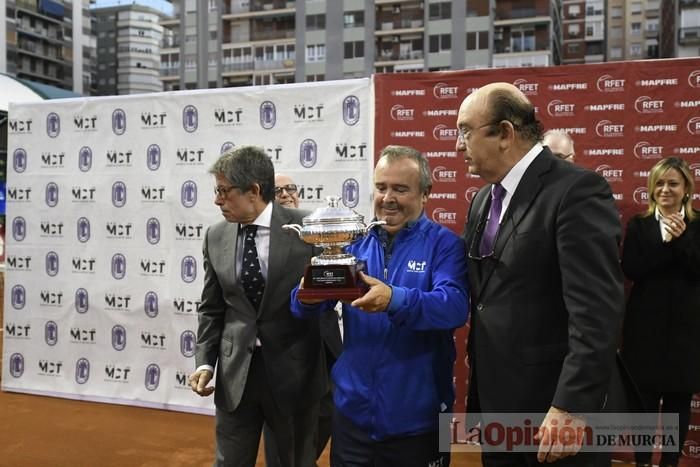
x: 12, y: 90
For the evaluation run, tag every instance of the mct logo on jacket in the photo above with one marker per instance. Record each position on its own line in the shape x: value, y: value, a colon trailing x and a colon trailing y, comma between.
x: 416, y: 266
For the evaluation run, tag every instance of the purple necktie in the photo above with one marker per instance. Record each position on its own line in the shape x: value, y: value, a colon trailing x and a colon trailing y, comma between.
x: 488, y: 237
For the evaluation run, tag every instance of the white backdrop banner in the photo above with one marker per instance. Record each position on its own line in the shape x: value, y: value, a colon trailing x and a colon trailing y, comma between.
x: 108, y: 200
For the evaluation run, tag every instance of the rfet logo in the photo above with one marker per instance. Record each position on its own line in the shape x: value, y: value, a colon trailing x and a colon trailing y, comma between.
x: 82, y: 301
x: 82, y: 371
x: 153, y: 157
x: 640, y: 195
x: 695, y: 170
x: 470, y: 193
x: 153, y: 231
x: 609, y: 173
x: 150, y: 304
x: 188, y: 339
x: 399, y: 112
x: 443, y: 132
x: 19, y: 229
x: 51, y: 333
x: 188, y: 194
x: 694, y: 126
x: 694, y: 79
x: 529, y: 89
x: 351, y: 192
x: 351, y: 110
x: 645, y: 150
x: 557, y: 108
x: 691, y: 449
x: 607, y: 129
x: 188, y: 269
x: 308, y: 153
x: 443, y: 216
x: 19, y: 160
x: 53, y: 125
x: 190, y: 118
x: 268, y: 115
x: 647, y: 105
x: 118, y: 337
x: 607, y: 83
x: 445, y: 91
x: 118, y: 122
x: 443, y: 174
x: 18, y: 297
x: 16, y: 365
x: 152, y: 377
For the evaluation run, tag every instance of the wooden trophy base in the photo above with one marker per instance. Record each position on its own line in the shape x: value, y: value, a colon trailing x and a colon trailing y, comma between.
x: 332, y: 282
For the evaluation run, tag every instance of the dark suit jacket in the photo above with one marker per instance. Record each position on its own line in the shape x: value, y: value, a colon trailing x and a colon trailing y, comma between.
x: 661, y: 344
x: 229, y: 325
x: 547, y: 308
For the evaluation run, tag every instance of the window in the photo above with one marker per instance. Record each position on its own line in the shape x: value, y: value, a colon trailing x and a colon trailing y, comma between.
x: 636, y: 8
x: 442, y: 10
x: 522, y: 40
x: 478, y: 40
x: 440, y: 43
x: 652, y: 25
x: 574, y: 10
x: 316, y: 53
x: 315, y: 22
x: 574, y: 29
x: 616, y: 32
x: 573, y: 48
x: 354, y: 19
x: 354, y: 49
x: 635, y: 29
x: 636, y: 49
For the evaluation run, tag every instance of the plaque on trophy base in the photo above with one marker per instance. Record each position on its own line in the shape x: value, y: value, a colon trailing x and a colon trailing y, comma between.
x: 333, y: 275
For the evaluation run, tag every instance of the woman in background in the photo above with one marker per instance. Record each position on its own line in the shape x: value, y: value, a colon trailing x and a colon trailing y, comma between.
x: 661, y: 341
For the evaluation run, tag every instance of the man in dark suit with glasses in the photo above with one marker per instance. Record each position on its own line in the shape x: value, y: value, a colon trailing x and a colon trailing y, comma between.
x: 547, y: 291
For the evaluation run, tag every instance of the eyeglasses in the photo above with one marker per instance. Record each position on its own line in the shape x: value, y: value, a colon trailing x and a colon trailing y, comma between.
x: 222, y: 191
x: 290, y: 189
x: 465, y: 135
x: 563, y: 156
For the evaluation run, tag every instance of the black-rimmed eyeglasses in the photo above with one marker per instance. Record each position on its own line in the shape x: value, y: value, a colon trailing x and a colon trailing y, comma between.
x: 222, y: 191
x: 290, y: 189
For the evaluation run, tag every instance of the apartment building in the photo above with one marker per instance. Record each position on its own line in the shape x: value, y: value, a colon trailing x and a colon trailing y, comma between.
x: 680, y: 28
x: 50, y: 42
x: 582, y: 31
x: 129, y: 38
x: 633, y: 29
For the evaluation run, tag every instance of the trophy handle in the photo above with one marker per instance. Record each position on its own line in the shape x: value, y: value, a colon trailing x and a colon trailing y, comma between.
x: 372, y: 224
x: 294, y: 227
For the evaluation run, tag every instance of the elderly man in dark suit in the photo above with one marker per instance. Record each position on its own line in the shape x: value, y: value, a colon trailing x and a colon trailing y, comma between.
x: 547, y: 293
x: 270, y: 366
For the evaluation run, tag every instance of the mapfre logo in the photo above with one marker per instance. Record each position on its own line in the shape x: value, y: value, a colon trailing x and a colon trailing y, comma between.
x: 645, y: 150
x: 399, y: 112
x: 607, y: 83
x: 529, y: 89
x: 607, y: 129
x: 610, y: 173
x: 443, y: 216
x: 445, y: 91
x: 640, y: 195
x: 694, y: 126
x: 694, y: 79
x: 443, y: 132
x: 557, y: 108
x: 443, y: 174
x: 647, y: 105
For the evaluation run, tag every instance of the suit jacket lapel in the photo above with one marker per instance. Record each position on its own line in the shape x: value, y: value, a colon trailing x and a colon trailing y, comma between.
x: 280, y: 243
x: 229, y: 251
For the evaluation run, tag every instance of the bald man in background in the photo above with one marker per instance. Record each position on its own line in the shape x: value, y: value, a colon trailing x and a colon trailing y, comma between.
x: 561, y: 144
x: 286, y: 191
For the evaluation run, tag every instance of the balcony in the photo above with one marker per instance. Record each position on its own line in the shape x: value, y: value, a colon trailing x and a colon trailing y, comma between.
x: 503, y: 14
x: 689, y: 36
x: 170, y: 71
x: 169, y: 44
x: 271, y: 35
x: 399, y: 26
x: 391, y: 56
x: 259, y: 9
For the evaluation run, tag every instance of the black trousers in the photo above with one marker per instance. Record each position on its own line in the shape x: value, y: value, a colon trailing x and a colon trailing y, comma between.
x: 352, y: 447
x: 673, y: 402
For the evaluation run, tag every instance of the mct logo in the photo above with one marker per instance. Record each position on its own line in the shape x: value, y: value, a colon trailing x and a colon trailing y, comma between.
x: 85, y: 159
x: 20, y: 126
x: 153, y: 157
x: 83, y: 229
x: 19, y: 160
x: 118, y: 268
x: 152, y: 194
x: 416, y: 266
x: 119, y: 230
x: 51, y: 229
x: 16, y: 365
x: 188, y: 269
x: 18, y: 297
x: 190, y: 118
x: 51, y: 263
x: 19, y: 194
x: 185, y: 306
x: 190, y: 156
x: 19, y: 229
x: 351, y: 110
x: 150, y: 304
x: 308, y: 153
x: 83, y: 194
x: 83, y: 335
x: 186, y: 231
x: 351, y: 192
x: 118, y: 337
x: 52, y: 159
x: 117, y: 373
x: 227, y: 117
x: 118, y: 122
x: 53, y: 125
x: 117, y: 302
x: 17, y: 331
x: 152, y: 340
x: 51, y: 194
x: 50, y: 367
x: 118, y: 194
x: 349, y: 151
x: 188, y: 339
x: 51, y: 333
x: 153, y: 120
x: 82, y: 371
x: 51, y: 298
x: 153, y: 231
x: 188, y: 194
x: 84, y: 265
x: 268, y: 115
x: 151, y: 267
x: 116, y: 158
x: 82, y: 301
x: 19, y: 263
x: 152, y: 377
x: 82, y: 123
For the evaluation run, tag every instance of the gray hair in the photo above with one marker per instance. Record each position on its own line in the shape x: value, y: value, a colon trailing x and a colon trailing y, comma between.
x: 245, y: 166
x: 393, y: 153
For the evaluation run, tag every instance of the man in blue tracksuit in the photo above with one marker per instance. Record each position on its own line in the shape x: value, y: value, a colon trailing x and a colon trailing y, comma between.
x: 395, y: 374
